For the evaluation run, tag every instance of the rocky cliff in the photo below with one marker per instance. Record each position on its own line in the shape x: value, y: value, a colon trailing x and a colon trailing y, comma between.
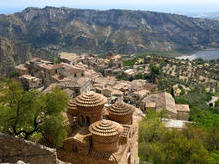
x: 121, y: 31
x: 12, y: 54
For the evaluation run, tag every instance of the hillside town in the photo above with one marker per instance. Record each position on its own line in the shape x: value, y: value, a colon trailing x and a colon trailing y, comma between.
x: 81, y: 74
x: 104, y: 111
x: 89, y: 73
x: 109, y: 82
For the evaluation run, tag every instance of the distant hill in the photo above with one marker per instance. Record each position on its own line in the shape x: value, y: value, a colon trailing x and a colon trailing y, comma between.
x: 121, y: 31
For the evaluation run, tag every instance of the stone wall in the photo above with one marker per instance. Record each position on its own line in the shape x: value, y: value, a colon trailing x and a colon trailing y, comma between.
x: 13, y: 149
x: 183, y: 115
x: 76, y: 158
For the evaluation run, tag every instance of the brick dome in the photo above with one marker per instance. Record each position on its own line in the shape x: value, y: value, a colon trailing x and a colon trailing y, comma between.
x: 90, y: 107
x: 121, y: 112
x: 72, y: 107
x: 105, y: 135
x: 120, y: 108
x: 105, y: 128
x: 90, y: 100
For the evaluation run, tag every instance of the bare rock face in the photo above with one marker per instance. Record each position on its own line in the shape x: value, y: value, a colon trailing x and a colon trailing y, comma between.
x: 12, y: 54
x: 121, y: 31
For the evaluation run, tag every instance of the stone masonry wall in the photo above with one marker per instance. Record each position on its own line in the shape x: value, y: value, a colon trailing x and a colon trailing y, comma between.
x: 13, y: 149
x: 182, y: 115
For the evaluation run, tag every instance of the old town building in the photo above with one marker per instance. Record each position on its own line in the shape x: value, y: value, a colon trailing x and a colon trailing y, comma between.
x: 47, y: 72
x: 165, y: 101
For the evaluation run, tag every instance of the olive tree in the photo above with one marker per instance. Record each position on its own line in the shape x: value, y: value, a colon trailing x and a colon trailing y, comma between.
x: 31, y: 114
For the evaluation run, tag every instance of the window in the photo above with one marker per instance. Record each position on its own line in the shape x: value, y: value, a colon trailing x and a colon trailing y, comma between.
x: 87, y: 121
x: 75, y: 148
x: 82, y: 121
x: 129, y: 156
x: 77, y: 91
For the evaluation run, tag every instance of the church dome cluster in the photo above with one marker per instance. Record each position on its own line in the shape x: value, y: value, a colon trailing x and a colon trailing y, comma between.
x: 106, y: 134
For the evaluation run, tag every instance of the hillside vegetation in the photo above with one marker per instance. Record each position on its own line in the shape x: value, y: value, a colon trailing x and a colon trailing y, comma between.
x: 195, y: 144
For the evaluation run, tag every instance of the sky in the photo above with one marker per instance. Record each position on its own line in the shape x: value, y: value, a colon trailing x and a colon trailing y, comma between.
x: 172, y: 6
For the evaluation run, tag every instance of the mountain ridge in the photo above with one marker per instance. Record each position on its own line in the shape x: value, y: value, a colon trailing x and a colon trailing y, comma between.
x: 98, y: 31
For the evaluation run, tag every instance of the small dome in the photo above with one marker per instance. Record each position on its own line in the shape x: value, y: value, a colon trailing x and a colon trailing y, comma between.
x: 90, y: 99
x: 105, y: 128
x: 72, y: 108
x: 71, y: 104
x: 121, y: 113
x: 120, y: 108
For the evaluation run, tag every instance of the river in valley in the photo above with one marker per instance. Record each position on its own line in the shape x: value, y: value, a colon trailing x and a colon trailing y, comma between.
x: 208, y: 54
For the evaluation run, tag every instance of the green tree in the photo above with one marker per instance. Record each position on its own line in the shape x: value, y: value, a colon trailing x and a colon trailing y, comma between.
x: 151, y: 130
x: 140, y: 76
x: 157, y: 144
x: 216, y: 108
x: 130, y: 62
x: 30, y: 114
x: 179, y: 149
x: 199, y: 61
x: 155, y: 71
x: 200, y: 112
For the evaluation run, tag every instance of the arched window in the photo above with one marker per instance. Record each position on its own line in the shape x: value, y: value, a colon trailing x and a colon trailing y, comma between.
x: 84, y: 120
x: 129, y: 156
x: 75, y: 148
x: 87, y: 121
